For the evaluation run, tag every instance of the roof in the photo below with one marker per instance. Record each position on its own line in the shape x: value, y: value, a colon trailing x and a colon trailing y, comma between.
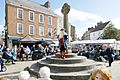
x: 30, y: 5
x: 102, y: 41
x: 100, y: 26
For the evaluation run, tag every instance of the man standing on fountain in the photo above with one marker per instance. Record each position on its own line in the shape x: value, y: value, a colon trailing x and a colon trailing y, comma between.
x: 63, y: 37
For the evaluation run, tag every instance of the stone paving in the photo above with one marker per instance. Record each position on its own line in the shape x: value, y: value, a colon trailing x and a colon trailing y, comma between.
x: 19, y: 66
x: 14, y: 69
x: 115, y: 70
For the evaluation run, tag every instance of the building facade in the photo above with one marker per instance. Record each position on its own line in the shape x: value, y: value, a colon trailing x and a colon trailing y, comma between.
x: 59, y: 24
x: 29, y: 18
x: 72, y: 32
x: 97, y: 32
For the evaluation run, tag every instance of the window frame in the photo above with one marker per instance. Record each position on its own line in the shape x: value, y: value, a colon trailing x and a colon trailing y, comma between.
x: 33, y: 16
x: 51, y: 32
x: 40, y: 31
x: 18, y: 31
x: 49, y: 17
x: 40, y: 19
x: 30, y: 30
x: 18, y: 13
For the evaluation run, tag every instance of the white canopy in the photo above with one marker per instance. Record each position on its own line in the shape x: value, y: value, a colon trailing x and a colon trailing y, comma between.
x: 105, y: 41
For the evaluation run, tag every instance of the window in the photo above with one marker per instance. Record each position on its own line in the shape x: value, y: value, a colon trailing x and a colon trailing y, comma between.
x: 19, y: 28
x: 31, y: 29
x: 31, y: 16
x: 19, y: 13
x: 50, y: 32
x: 41, y: 18
x: 41, y: 31
x: 49, y: 20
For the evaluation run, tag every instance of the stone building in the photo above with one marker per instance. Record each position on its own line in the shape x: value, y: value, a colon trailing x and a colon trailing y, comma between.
x: 25, y: 17
x: 97, y: 32
x: 86, y: 35
x: 72, y: 34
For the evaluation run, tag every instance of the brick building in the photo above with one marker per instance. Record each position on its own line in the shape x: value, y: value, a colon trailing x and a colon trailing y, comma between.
x: 25, y: 17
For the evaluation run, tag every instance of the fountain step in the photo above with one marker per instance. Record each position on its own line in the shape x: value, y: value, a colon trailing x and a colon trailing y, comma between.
x: 78, y: 75
x: 82, y: 75
x: 78, y: 59
x: 57, y: 55
x: 89, y: 64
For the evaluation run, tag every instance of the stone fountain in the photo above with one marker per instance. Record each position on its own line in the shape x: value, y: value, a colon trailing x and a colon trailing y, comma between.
x: 73, y: 67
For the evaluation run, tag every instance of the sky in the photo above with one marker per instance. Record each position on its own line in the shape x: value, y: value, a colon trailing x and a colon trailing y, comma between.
x: 83, y: 13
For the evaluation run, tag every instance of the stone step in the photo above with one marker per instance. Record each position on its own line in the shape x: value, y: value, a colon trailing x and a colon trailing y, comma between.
x: 54, y: 60
x: 78, y: 75
x: 69, y: 55
x: 82, y: 75
x: 89, y: 64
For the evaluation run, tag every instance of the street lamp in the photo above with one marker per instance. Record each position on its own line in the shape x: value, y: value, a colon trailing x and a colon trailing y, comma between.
x: 6, y: 24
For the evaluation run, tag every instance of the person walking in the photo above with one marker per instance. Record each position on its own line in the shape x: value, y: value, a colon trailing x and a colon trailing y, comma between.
x: 110, y: 53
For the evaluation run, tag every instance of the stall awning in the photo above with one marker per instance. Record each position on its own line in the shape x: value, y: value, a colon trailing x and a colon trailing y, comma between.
x: 28, y: 39
x: 14, y: 38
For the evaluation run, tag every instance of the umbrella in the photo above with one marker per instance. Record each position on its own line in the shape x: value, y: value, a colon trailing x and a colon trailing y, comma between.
x: 45, y: 42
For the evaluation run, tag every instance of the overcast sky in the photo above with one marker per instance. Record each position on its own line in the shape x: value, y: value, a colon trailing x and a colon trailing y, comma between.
x: 83, y: 13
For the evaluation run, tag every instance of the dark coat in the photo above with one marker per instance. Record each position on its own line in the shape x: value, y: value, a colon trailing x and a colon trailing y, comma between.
x: 109, y: 53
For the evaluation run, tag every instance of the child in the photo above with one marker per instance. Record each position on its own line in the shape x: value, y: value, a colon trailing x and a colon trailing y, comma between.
x: 101, y: 73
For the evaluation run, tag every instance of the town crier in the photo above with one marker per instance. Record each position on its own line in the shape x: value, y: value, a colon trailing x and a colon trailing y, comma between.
x: 62, y: 37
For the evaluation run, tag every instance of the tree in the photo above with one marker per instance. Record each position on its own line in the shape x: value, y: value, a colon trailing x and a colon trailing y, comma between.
x: 111, y: 33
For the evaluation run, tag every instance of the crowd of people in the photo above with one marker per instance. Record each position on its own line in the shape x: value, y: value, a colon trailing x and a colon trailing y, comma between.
x: 22, y: 53
x: 98, y: 52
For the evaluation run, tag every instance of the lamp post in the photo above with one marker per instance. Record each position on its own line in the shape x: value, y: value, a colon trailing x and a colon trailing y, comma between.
x: 6, y: 24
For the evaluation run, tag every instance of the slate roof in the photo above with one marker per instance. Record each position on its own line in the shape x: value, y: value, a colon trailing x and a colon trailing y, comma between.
x: 100, y: 26
x: 31, y: 5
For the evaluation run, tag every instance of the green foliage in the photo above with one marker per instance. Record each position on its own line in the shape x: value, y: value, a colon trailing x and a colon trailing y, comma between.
x: 111, y: 33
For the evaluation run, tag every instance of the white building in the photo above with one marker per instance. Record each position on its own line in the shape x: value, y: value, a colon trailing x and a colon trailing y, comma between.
x: 97, y: 32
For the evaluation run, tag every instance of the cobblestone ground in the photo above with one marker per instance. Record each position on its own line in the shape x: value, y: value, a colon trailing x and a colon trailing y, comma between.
x: 20, y: 65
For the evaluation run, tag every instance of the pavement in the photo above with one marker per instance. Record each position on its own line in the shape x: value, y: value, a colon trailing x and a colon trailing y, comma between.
x: 14, y: 69
x: 114, y: 69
